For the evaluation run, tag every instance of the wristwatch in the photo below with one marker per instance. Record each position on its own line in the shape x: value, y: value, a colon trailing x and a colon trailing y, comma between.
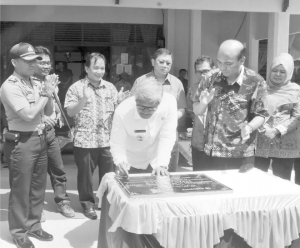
x: 45, y: 94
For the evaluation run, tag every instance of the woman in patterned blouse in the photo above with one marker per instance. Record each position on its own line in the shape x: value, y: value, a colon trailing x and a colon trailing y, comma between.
x: 279, y: 139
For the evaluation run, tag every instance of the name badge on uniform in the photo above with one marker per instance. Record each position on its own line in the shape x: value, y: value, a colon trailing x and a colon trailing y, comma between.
x: 30, y: 97
x: 140, y: 134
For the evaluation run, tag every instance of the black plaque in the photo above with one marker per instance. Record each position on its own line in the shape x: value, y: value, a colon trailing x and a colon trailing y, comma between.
x: 172, y: 185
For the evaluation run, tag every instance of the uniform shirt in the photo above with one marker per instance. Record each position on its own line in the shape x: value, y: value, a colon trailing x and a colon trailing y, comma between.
x: 140, y: 142
x: 15, y: 95
x: 93, y: 122
x: 233, y: 105
x: 171, y: 85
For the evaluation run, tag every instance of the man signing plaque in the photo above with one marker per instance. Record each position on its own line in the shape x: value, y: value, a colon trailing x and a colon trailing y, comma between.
x: 144, y: 130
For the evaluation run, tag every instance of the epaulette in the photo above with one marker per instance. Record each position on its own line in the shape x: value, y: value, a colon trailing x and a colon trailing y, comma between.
x: 12, y: 79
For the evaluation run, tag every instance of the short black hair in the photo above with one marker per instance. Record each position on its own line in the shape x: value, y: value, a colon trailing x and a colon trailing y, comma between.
x: 202, y: 59
x: 42, y: 50
x: 161, y: 51
x: 182, y: 70
x: 242, y: 53
x: 96, y: 56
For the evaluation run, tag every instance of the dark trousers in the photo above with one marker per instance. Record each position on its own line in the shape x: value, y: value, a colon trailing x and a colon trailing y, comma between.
x: 173, y: 165
x: 56, y: 168
x: 282, y: 167
x: 297, y: 170
x: 87, y: 159
x: 27, y: 163
x: 219, y: 163
x: 199, y: 160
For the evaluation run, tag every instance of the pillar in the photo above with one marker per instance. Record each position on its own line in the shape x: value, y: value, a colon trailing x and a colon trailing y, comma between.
x: 252, y: 45
x: 169, y: 31
x: 278, y: 35
x: 194, y: 45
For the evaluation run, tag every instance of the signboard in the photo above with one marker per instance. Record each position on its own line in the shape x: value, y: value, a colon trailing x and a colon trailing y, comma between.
x: 172, y: 185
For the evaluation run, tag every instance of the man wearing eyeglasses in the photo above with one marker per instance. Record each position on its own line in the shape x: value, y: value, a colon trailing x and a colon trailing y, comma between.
x: 25, y: 145
x: 55, y: 163
x: 203, y: 65
x: 144, y: 130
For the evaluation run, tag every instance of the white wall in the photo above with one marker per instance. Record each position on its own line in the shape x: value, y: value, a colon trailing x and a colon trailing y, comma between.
x: 210, y: 34
x: 80, y: 14
x: 181, y: 52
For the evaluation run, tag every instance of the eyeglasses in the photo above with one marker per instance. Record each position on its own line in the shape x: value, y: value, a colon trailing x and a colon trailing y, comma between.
x: 149, y: 109
x: 44, y: 63
x: 204, y: 72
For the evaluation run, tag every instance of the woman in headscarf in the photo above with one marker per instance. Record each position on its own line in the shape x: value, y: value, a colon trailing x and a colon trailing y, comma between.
x: 279, y: 139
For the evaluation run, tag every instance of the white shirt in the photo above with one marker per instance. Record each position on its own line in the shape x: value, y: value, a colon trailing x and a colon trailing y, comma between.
x: 140, y: 142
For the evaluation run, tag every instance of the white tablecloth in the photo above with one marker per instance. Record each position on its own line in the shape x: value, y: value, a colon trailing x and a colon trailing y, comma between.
x: 263, y: 209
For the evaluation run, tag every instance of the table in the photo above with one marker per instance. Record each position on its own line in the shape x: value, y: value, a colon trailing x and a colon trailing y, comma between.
x: 263, y: 209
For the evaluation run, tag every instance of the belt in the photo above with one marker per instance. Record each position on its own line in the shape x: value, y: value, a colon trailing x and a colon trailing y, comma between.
x: 33, y: 133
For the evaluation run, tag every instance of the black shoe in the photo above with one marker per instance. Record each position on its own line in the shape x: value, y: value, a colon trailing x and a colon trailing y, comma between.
x: 23, y: 243
x: 41, y: 235
x: 90, y: 213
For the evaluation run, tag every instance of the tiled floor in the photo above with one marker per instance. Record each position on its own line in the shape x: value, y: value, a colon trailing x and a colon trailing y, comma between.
x: 78, y: 232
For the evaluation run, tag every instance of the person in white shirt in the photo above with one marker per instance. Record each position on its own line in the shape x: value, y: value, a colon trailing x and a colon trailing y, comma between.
x: 144, y: 130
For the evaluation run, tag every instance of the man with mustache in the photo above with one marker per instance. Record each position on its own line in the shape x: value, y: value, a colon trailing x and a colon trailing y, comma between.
x: 55, y: 163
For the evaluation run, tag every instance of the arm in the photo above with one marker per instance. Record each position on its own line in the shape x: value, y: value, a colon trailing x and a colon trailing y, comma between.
x: 72, y: 103
x: 259, y: 108
x: 201, y: 98
x: 75, y: 108
x: 49, y: 107
x: 118, y: 142
x: 292, y: 123
x: 181, y: 102
x: 18, y: 102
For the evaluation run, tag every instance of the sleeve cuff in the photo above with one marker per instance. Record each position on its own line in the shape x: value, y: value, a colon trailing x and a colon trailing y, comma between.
x: 282, y: 129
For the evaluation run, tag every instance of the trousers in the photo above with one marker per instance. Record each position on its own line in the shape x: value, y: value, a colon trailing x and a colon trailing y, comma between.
x: 282, y: 167
x: 56, y: 168
x: 173, y: 165
x: 297, y: 170
x: 27, y: 163
x: 87, y: 159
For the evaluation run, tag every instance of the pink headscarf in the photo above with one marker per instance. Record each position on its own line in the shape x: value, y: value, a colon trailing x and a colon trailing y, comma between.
x: 287, y: 92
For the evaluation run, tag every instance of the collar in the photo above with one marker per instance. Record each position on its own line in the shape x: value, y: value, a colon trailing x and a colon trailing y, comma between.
x: 167, y: 79
x: 100, y: 86
x: 239, y: 79
x: 21, y: 79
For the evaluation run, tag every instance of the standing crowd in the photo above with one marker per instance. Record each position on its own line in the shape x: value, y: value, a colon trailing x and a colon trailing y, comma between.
x: 240, y: 121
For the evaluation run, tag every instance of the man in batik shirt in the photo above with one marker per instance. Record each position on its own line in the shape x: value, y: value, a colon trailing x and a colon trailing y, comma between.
x: 91, y: 101
x: 235, y: 99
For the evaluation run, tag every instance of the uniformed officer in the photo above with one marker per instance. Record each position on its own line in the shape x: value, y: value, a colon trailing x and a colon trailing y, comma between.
x: 25, y: 145
x: 55, y: 163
